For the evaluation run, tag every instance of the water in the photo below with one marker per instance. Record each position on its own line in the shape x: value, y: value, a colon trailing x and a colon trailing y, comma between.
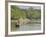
x: 29, y: 27
x: 35, y: 25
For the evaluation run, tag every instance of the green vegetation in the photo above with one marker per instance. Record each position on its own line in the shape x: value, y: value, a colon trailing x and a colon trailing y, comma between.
x: 30, y: 13
x: 17, y: 13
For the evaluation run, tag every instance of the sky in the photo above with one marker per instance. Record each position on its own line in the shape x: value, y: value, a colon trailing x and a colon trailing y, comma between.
x: 26, y: 7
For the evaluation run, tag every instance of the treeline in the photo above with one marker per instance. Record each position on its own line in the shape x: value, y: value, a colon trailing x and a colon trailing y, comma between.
x: 29, y: 13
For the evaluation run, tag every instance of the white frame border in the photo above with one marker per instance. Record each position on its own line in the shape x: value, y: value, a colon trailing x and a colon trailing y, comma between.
x: 23, y: 32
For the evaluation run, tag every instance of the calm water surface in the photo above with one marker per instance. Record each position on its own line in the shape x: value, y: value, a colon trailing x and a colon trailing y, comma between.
x: 29, y: 27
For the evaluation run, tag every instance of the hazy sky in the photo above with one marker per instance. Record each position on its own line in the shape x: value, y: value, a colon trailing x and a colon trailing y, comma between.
x: 26, y: 7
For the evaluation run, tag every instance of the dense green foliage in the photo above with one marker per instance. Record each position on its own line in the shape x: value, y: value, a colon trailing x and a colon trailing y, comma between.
x: 30, y: 13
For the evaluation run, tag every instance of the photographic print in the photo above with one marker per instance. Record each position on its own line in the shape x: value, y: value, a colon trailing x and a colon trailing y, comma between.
x: 25, y: 18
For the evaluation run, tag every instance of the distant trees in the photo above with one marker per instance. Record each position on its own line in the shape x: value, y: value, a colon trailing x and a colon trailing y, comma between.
x: 36, y: 14
x: 29, y: 13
